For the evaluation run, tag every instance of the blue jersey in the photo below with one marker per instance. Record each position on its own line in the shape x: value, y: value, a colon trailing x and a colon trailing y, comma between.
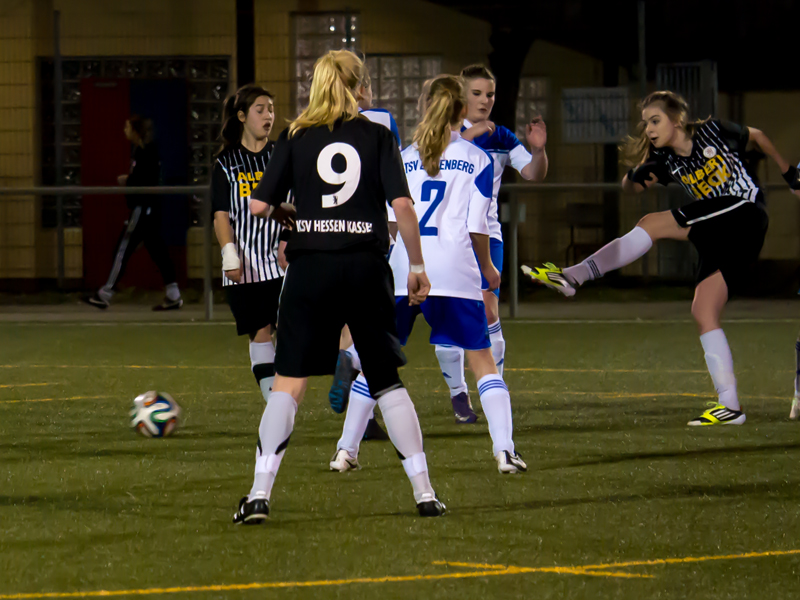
x: 385, y: 118
x: 505, y: 149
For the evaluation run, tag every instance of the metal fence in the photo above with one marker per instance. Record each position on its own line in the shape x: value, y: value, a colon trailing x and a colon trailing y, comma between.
x: 560, y: 212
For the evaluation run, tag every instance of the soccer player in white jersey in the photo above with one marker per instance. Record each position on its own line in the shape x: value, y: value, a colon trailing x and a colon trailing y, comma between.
x: 450, y: 180
x: 505, y: 150
x: 252, y: 277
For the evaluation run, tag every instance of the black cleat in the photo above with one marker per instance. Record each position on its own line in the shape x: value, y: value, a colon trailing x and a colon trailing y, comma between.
x: 462, y: 409
x: 252, y: 512
x: 430, y: 506
x: 168, y: 304
x: 374, y: 431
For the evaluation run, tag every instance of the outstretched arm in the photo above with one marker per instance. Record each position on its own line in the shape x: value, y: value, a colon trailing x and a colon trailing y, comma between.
x: 789, y: 172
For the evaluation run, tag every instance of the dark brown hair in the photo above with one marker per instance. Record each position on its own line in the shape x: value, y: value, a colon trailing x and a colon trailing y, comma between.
x: 242, y: 100
x: 477, y: 71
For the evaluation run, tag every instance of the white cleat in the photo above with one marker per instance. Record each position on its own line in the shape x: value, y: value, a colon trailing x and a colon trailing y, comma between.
x: 342, y: 461
x: 794, y: 415
x: 508, y: 463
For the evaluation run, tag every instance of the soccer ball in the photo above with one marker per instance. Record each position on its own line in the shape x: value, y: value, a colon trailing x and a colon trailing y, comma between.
x: 155, y: 414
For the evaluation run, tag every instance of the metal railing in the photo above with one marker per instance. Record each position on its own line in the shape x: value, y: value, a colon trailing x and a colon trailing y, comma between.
x: 514, y: 190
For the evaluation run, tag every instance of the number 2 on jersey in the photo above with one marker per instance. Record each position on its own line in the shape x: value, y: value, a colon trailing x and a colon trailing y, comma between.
x: 349, y: 177
x: 428, y: 189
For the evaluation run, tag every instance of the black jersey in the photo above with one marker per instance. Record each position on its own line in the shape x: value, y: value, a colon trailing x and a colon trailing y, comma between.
x: 145, y: 171
x: 340, y: 180
x: 716, y: 166
x: 236, y: 173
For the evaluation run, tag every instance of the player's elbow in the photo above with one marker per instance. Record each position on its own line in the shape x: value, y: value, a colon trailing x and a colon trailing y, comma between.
x: 258, y: 208
x: 402, y: 206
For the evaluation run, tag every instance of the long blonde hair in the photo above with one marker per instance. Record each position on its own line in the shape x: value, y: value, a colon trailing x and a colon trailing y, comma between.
x: 332, y: 97
x: 635, y: 149
x: 444, y: 106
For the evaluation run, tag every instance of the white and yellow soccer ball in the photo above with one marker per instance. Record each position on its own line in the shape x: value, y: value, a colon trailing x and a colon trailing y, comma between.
x: 155, y: 414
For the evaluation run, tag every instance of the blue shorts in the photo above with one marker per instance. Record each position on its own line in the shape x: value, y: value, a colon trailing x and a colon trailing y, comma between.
x: 496, y: 250
x: 454, y: 321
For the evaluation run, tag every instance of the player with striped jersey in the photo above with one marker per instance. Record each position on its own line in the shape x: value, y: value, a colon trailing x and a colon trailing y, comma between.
x: 726, y: 222
x: 251, y: 275
x: 450, y: 180
x: 506, y: 151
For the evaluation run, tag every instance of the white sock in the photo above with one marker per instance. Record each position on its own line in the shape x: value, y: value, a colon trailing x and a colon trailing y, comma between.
x: 451, y: 361
x: 106, y: 293
x: 614, y: 255
x: 354, y: 355
x: 274, y: 432
x: 358, y: 414
x: 402, y: 426
x: 720, y: 365
x: 498, y: 345
x: 173, y: 293
x: 416, y: 468
x: 496, y: 404
x: 262, y: 363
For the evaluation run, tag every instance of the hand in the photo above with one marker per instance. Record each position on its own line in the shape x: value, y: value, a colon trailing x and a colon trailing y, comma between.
x: 284, y: 214
x: 536, y: 134
x: 418, y: 288
x: 282, y: 262
x: 234, y: 275
x: 478, y: 130
x: 122, y: 179
x: 492, y: 276
x: 651, y: 181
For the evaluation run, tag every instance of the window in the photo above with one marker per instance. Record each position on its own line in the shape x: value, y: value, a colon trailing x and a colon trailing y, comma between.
x: 396, y: 86
x: 314, y: 35
x: 207, y: 81
x: 531, y: 102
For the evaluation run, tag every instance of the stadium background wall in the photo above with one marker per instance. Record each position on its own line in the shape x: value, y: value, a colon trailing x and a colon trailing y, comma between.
x: 97, y: 28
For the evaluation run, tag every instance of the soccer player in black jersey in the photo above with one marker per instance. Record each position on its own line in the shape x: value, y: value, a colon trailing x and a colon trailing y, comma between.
x: 341, y: 169
x: 252, y: 277
x: 144, y: 223
x: 726, y: 222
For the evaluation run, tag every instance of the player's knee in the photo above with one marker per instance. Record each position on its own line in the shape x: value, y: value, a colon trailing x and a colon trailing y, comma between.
x: 447, y: 353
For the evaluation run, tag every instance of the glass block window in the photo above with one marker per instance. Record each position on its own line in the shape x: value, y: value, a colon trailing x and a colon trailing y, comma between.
x: 208, y: 82
x: 315, y: 34
x: 531, y: 102
x: 396, y: 86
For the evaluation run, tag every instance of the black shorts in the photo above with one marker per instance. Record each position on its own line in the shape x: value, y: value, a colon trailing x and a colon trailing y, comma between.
x: 254, y: 305
x: 728, y: 234
x: 324, y: 291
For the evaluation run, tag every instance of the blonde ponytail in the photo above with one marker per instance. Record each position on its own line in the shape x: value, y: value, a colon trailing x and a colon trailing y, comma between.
x: 444, y: 105
x: 332, y: 97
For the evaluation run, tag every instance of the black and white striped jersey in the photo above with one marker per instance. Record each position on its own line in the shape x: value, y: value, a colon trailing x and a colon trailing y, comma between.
x: 236, y: 173
x: 716, y: 166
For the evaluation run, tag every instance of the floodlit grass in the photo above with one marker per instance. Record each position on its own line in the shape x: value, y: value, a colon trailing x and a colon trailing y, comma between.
x: 600, y: 411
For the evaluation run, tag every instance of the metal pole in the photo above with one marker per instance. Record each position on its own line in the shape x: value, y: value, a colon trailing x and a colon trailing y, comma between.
x: 642, y: 58
x: 59, y: 142
x: 208, y: 291
x: 513, y: 256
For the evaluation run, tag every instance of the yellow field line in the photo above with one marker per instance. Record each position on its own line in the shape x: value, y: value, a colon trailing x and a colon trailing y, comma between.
x: 18, y: 385
x: 492, y: 571
x: 693, y: 559
x: 243, y: 366
x: 54, y: 399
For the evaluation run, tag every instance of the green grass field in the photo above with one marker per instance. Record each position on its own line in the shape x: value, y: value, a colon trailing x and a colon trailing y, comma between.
x: 622, y: 500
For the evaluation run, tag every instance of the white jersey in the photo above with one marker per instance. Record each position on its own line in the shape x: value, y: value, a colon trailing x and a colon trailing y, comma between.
x: 381, y: 116
x: 449, y: 207
x: 505, y: 149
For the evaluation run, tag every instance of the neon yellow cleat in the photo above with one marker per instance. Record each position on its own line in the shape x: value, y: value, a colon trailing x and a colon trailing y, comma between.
x: 718, y: 414
x: 551, y: 276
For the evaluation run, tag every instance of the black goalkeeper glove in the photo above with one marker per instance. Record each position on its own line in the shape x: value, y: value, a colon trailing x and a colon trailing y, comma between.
x: 642, y: 173
x: 792, y: 177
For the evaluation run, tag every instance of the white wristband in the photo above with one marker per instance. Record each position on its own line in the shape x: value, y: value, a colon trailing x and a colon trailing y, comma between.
x: 230, y: 258
x: 417, y: 268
